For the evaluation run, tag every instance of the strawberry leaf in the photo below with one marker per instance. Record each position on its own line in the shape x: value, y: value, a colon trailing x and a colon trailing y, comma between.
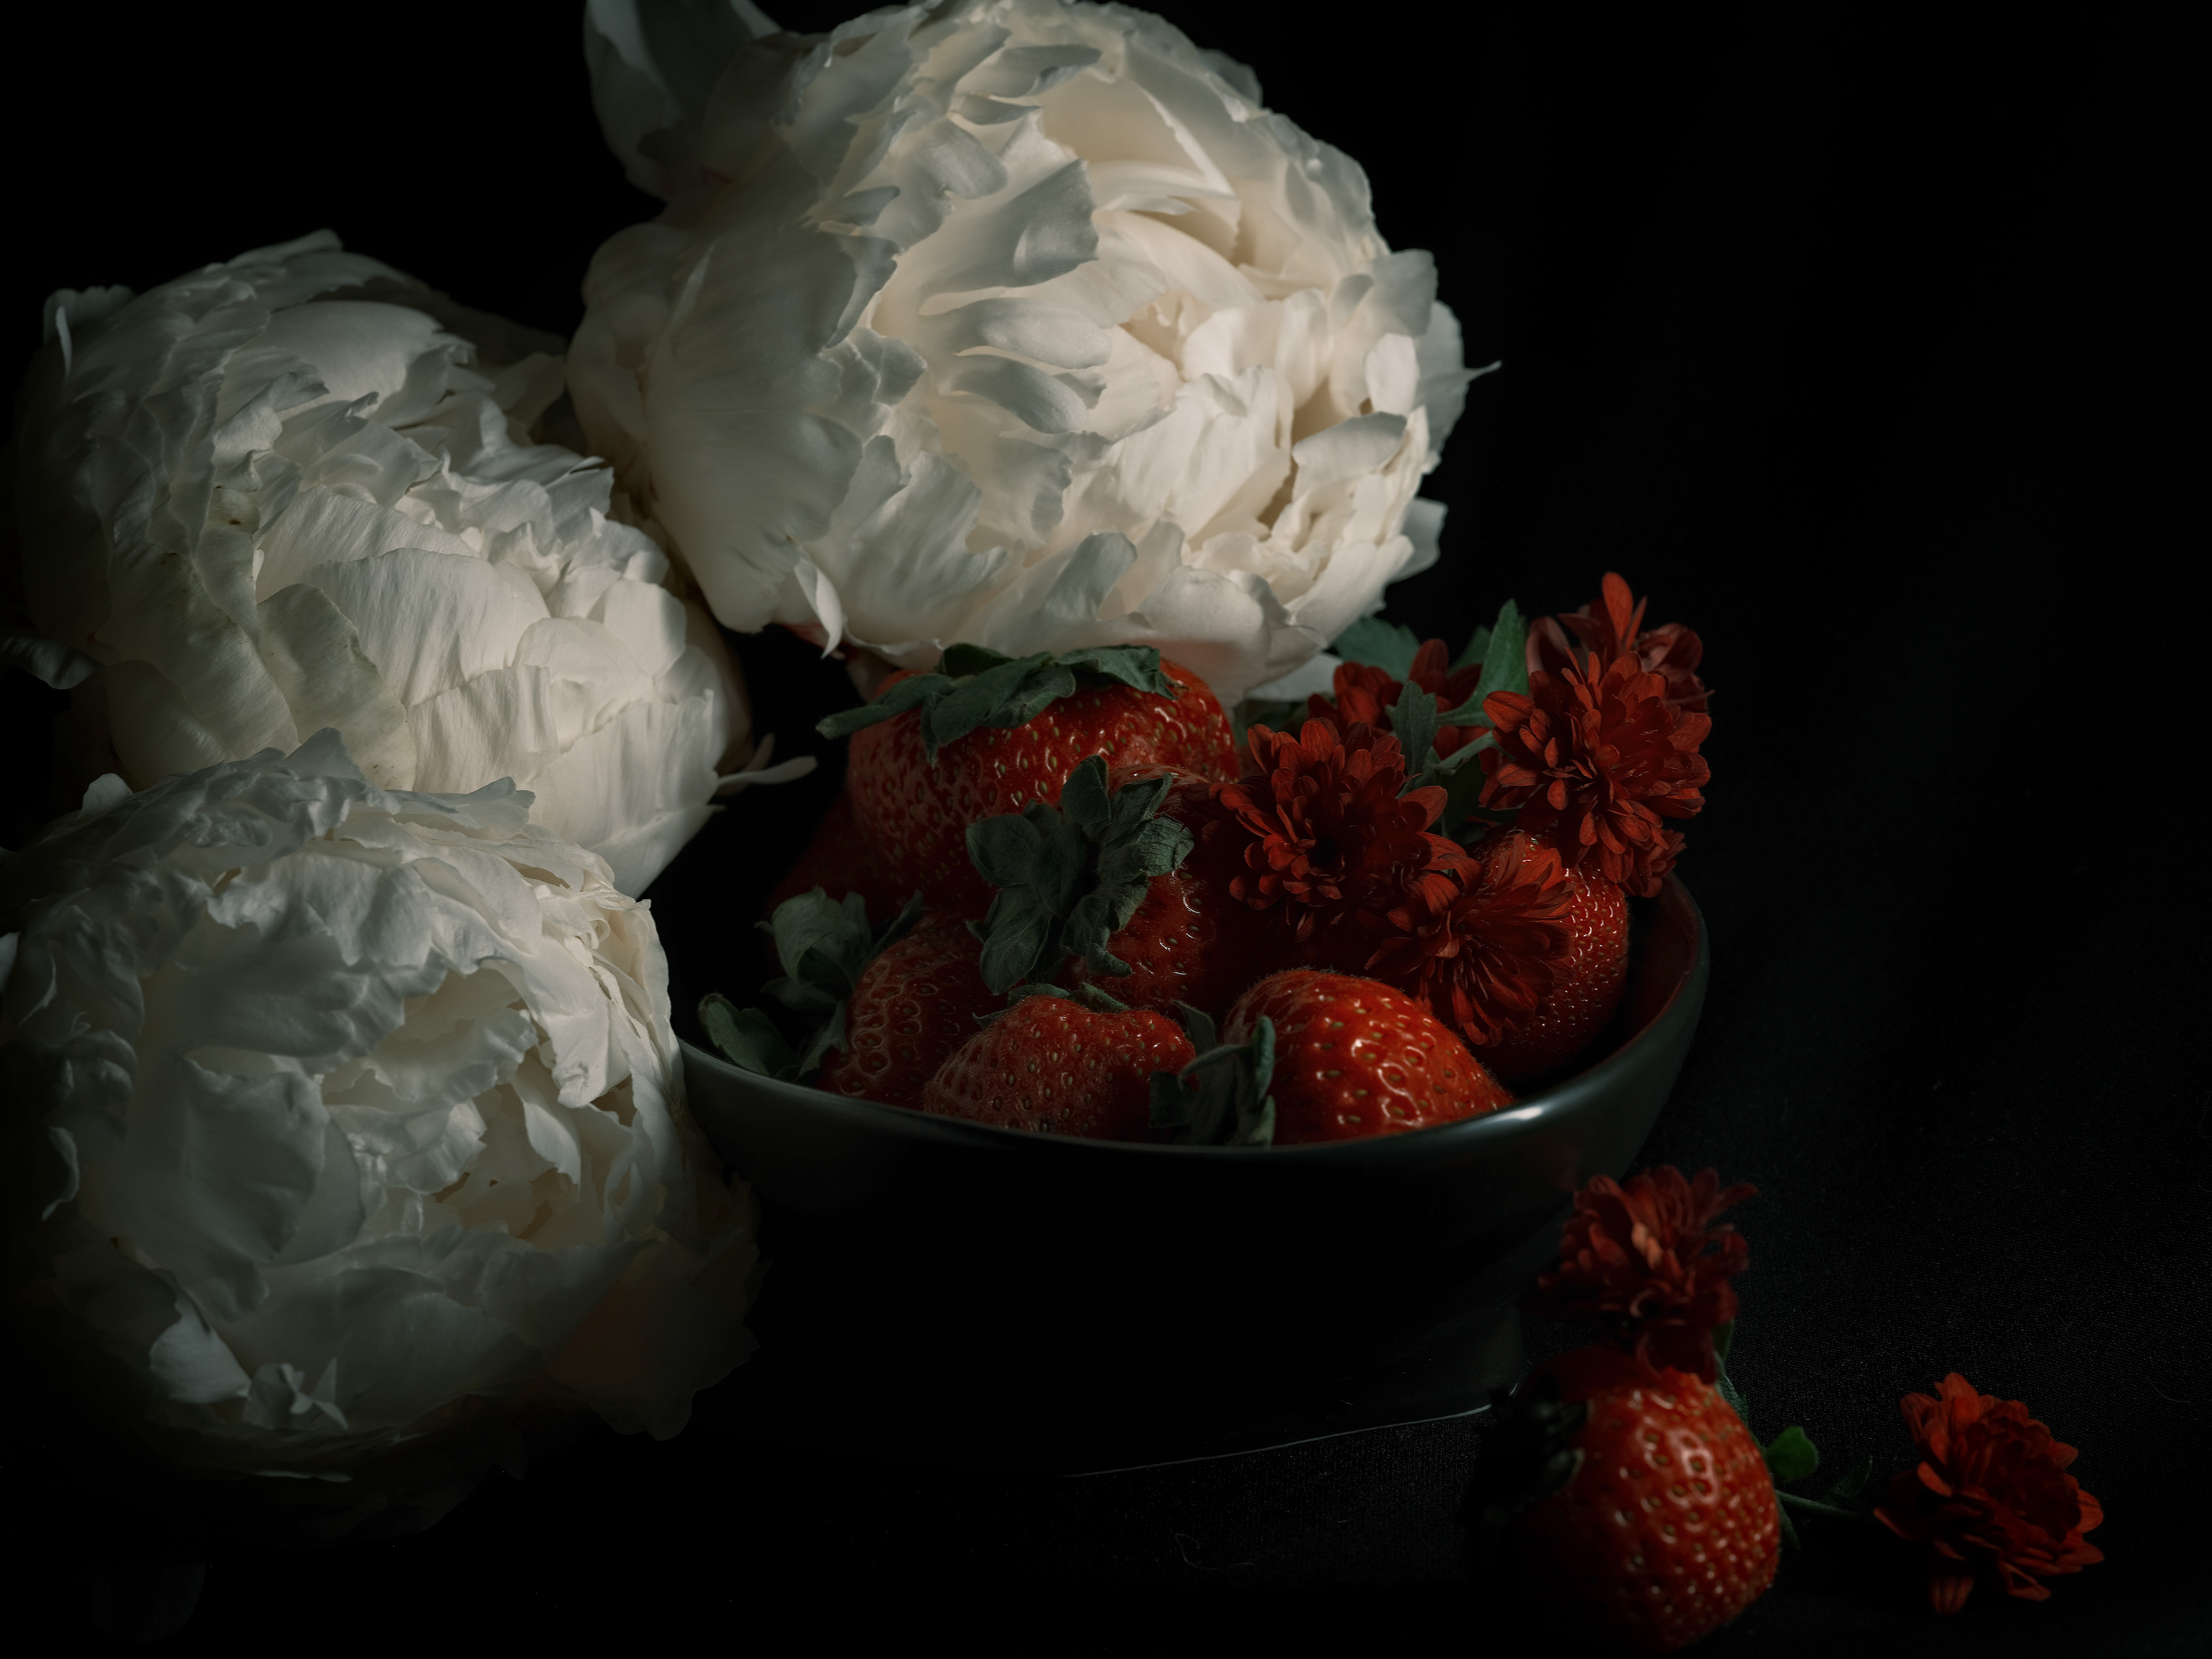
x: 746, y: 1037
x: 825, y: 945
x: 1221, y: 1098
x: 1790, y: 1456
x: 1070, y: 876
x: 976, y: 687
x: 1380, y: 645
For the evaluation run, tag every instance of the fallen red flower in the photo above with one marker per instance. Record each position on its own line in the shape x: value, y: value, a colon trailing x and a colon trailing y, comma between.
x: 1366, y: 693
x: 1645, y: 1260
x: 1991, y: 1491
x: 1600, y: 760
x: 1481, y: 954
x: 1332, y: 836
x: 1670, y: 651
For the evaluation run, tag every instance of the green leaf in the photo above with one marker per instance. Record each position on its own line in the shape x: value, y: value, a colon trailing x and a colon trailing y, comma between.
x: 1791, y: 1456
x: 1382, y: 645
x: 1221, y: 1098
x: 1476, y: 649
x: 1070, y: 876
x: 977, y: 687
x: 1134, y: 665
x: 1462, y: 785
x: 1723, y: 1339
x: 1853, y: 1481
x: 1413, y: 722
x: 822, y: 944
x: 745, y: 1035
x: 893, y: 701
x: 1504, y: 666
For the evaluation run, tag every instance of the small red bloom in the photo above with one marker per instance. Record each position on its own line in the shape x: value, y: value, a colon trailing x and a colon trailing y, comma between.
x: 1598, y: 759
x: 1646, y: 1261
x: 1364, y: 692
x: 1332, y: 836
x: 1670, y: 651
x: 1480, y: 952
x: 1991, y: 1492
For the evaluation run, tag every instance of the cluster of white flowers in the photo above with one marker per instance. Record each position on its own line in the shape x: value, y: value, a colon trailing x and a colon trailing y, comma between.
x: 339, y: 1055
x: 348, y: 1105
x: 1018, y: 322
x: 275, y: 496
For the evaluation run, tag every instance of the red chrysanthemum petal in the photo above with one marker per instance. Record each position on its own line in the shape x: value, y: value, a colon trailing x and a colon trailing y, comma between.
x: 1598, y: 760
x: 1991, y: 1491
x: 1671, y: 651
x: 1332, y: 836
x: 1480, y: 952
x: 1645, y: 1260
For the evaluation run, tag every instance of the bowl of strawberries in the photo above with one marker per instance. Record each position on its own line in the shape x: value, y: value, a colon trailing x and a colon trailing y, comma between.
x: 1139, y: 1085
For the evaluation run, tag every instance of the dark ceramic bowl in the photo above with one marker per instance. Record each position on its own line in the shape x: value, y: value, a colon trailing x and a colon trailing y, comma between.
x: 947, y: 1291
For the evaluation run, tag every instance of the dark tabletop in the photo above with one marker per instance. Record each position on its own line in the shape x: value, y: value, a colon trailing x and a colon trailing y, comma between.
x: 1848, y: 342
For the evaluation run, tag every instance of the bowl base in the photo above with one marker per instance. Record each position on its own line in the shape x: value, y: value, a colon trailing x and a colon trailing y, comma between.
x: 779, y: 1397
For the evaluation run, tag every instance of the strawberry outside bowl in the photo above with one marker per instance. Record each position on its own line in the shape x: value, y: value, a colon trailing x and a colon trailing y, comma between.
x: 945, y: 1292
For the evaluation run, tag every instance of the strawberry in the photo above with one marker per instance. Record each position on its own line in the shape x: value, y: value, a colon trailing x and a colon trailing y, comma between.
x: 988, y: 735
x: 916, y: 1002
x: 1631, y: 1501
x: 1588, y: 978
x: 1060, y: 1067
x: 1129, y: 881
x: 826, y: 947
x: 839, y: 860
x: 1354, y: 1057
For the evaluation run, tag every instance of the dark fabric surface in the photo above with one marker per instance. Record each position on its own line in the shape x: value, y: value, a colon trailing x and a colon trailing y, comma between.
x: 1847, y: 341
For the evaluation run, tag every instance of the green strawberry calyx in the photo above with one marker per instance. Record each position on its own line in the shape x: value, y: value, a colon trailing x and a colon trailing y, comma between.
x: 823, y: 944
x: 974, y: 686
x: 1220, y: 1098
x: 1070, y: 876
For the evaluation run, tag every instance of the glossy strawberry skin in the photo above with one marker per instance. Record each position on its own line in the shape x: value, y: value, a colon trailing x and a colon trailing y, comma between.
x: 1355, y: 1057
x: 1669, y: 1528
x: 1587, y: 985
x: 1056, y: 1067
x: 841, y: 859
x: 1192, y: 939
x: 916, y: 814
x: 915, y: 1003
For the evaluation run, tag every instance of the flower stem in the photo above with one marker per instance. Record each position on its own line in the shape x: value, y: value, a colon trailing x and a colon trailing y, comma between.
x: 1816, y: 1507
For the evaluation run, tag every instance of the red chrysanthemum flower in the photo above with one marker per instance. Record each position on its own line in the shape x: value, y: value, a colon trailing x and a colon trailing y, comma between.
x: 1599, y: 760
x: 1366, y: 693
x: 1645, y: 1260
x: 1480, y: 952
x: 1991, y: 1490
x: 1332, y: 836
x: 1670, y: 651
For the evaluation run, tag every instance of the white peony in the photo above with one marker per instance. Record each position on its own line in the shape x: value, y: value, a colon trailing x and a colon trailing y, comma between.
x: 343, y: 1105
x: 1011, y: 322
x: 274, y: 495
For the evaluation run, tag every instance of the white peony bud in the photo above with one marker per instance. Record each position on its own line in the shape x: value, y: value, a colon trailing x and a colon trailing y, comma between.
x: 345, y: 1105
x: 1011, y: 322
x: 274, y: 495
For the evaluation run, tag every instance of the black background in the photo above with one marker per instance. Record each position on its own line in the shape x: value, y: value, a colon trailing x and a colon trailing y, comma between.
x: 1846, y: 339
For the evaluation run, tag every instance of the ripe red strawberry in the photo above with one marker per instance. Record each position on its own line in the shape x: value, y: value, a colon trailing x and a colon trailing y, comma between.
x: 1657, y: 1521
x: 988, y: 735
x: 916, y: 1002
x: 839, y: 860
x: 1587, y: 980
x: 1060, y: 1067
x: 1353, y: 1058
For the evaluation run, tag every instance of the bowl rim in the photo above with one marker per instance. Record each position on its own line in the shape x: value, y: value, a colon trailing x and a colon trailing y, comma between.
x: 1554, y: 1101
